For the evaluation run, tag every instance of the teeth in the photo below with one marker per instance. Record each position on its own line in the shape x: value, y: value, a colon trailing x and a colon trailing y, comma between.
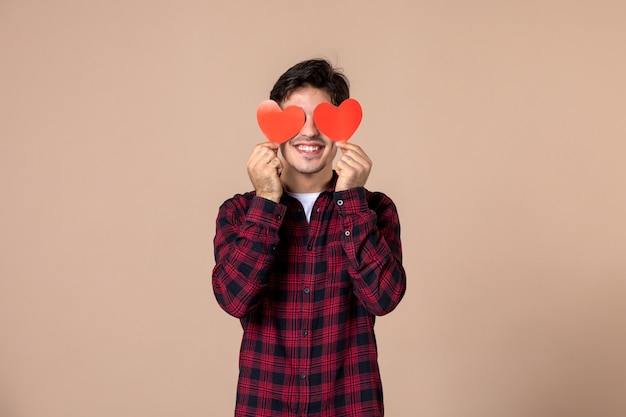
x: 307, y: 148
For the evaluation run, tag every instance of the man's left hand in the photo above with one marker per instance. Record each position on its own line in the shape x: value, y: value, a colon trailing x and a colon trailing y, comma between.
x: 353, y: 167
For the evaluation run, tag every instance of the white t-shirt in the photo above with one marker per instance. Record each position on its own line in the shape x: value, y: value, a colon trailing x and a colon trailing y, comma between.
x: 307, y: 200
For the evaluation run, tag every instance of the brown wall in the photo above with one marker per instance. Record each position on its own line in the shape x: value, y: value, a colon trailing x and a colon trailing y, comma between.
x: 498, y: 128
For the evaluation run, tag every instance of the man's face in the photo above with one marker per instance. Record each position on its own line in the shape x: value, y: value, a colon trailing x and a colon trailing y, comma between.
x: 309, y: 152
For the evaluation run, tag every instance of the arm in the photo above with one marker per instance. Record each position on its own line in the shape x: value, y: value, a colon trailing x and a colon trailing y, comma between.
x: 371, y: 241
x: 245, y: 242
x: 371, y: 237
x: 246, y: 235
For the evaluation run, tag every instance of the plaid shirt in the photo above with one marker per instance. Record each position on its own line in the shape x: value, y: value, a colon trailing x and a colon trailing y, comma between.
x: 307, y: 295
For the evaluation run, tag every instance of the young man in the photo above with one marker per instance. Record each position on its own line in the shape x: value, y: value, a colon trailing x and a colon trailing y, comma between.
x: 306, y: 261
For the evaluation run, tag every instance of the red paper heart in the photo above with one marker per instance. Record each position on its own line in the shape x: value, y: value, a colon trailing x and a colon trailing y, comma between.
x: 338, y: 123
x: 279, y: 125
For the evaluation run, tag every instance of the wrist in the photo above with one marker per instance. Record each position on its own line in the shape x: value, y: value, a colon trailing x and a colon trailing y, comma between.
x: 275, y: 197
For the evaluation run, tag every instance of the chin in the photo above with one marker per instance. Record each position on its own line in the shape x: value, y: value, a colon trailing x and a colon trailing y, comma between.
x: 309, y: 171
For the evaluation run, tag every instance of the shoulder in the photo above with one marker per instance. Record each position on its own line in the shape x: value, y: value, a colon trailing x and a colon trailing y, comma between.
x: 250, y: 207
x: 386, y: 211
x: 238, y: 202
x: 378, y: 200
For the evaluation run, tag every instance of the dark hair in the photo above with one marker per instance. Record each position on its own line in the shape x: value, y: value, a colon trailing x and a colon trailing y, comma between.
x: 317, y: 73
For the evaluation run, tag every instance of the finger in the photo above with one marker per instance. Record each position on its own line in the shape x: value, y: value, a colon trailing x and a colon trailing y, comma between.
x: 270, y: 145
x: 263, y: 153
x: 348, y: 163
x: 346, y: 146
x: 354, y: 151
x: 356, y: 158
x: 266, y: 146
x: 356, y: 161
x: 344, y: 167
x: 279, y: 168
x: 267, y: 167
x: 256, y: 153
x: 275, y: 163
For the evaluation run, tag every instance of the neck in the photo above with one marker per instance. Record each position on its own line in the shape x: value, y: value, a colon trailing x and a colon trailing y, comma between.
x: 297, y: 182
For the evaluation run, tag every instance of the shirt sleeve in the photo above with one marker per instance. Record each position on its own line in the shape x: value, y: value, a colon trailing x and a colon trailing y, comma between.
x: 371, y: 241
x: 246, y: 236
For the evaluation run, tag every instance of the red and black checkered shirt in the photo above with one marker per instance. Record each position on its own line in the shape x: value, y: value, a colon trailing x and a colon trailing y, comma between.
x: 307, y: 295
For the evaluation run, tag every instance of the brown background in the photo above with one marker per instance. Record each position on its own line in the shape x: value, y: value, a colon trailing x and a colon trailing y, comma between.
x: 497, y: 127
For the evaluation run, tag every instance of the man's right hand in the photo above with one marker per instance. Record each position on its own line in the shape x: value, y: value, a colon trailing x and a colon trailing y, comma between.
x: 264, y: 167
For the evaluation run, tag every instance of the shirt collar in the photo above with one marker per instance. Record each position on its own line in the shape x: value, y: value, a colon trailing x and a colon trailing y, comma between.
x: 330, y: 189
x: 333, y: 182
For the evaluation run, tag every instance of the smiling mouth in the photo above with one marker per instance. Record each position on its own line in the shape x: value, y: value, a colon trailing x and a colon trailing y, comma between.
x: 308, y: 148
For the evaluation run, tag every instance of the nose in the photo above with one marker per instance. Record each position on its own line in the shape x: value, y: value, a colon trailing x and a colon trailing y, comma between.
x: 309, y: 129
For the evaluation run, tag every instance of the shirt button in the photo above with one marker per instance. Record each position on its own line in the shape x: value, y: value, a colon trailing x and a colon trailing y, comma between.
x: 340, y: 202
x: 278, y: 216
x: 307, y: 290
x: 305, y: 333
x: 347, y: 233
x: 303, y: 376
x: 309, y: 247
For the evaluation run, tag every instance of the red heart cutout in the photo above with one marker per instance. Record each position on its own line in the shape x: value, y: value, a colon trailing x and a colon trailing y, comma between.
x: 279, y: 125
x: 338, y: 123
